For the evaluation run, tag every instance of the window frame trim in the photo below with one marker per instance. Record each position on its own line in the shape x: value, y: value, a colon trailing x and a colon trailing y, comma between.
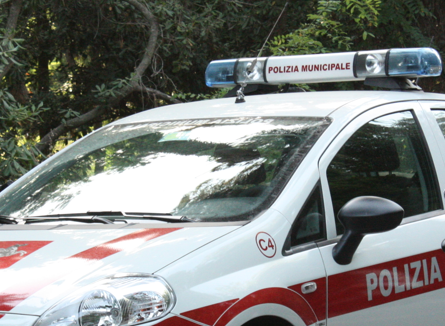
x: 288, y: 249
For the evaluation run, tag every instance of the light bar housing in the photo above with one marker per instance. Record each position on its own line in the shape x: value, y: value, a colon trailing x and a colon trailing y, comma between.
x: 321, y: 68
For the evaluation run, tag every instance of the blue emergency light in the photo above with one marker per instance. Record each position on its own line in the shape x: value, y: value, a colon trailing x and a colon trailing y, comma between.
x: 330, y: 67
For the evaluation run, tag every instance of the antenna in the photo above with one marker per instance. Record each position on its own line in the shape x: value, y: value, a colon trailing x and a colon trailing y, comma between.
x: 252, y: 66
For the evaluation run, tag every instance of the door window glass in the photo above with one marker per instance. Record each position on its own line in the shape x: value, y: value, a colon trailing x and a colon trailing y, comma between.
x: 388, y: 158
x: 440, y: 118
x: 309, y: 225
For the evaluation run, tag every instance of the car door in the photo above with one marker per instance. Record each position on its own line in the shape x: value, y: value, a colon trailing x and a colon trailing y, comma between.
x: 395, y: 277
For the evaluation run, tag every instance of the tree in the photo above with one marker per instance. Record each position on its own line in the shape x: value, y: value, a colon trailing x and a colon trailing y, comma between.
x: 16, y: 153
x: 354, y: 25
x: 82, y: 63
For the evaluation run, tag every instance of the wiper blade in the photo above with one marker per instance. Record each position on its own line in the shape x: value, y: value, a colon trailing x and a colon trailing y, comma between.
x: 7, y: 220
x: 165, y: 217
x: 106, y: 217
x: 77, y: 217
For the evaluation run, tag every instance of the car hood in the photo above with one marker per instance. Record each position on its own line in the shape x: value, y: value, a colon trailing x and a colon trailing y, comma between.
x: 40, y: 265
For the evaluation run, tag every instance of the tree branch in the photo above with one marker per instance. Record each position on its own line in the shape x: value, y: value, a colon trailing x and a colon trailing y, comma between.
x: 159, y: 94
x: 50, y: 138
x: 11, y: 24
x: 4, y: 70
x: 14, y: 12
x: 135, y: 84
x: 148, y: 53
x: 154, y: 33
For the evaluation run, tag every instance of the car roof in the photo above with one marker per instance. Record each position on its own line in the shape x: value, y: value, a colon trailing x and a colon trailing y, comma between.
x: 314, y: 104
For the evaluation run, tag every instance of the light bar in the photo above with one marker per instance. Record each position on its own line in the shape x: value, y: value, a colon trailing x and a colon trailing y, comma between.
x: 320, y: 68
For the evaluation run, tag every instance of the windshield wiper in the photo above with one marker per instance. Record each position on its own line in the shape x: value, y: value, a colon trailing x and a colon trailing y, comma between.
x: 4, y: 219
x: 77, y: 217
x: 106, y: 217
x: 165, y: 217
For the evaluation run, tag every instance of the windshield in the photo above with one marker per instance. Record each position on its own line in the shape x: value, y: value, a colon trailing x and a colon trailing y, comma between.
x: 207, y: 170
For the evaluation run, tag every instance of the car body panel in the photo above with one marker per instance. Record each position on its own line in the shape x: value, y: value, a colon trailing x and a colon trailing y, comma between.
x: 64, y: 259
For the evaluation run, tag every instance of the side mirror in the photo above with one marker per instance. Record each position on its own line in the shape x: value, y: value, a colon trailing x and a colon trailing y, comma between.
x: 361, y: 216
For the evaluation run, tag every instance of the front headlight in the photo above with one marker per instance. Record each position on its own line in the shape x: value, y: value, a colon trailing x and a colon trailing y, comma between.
x: 120, y: 300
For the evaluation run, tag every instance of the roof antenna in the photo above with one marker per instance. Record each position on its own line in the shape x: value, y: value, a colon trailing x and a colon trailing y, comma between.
x: 252, y: 65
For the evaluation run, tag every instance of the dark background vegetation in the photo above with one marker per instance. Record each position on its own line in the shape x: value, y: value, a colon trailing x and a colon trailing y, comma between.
x: 70, y: 66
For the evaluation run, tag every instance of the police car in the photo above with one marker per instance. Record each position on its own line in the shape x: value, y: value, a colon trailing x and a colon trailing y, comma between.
x: 316, y: 208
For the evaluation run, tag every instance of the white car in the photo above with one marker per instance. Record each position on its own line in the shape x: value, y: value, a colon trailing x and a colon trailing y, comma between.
x: 316, y: 208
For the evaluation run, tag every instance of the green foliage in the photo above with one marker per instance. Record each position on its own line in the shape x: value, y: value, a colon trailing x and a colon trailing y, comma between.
x: 17, y: 155
x: 365, y: 14
x: 399, y: 23
x: 76, y: 55
x: 190, y: 97
x: 194, y: 33
x: 331, y: 28
x: 349, y: 25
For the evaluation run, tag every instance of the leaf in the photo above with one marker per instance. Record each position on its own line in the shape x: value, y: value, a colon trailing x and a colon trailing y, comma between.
x: 6, y: 105
x: 9, y: 95
x: 7, y: 171
x: 16, y: 62
x: 18, y: 167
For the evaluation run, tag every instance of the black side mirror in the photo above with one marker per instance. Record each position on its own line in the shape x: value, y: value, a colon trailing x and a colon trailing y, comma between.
x: 361, y: 216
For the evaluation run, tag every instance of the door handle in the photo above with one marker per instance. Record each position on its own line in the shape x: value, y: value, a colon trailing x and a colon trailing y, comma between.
x: 309, y: 287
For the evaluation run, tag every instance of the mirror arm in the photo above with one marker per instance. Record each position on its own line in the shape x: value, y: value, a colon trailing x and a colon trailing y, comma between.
x: 344, y: 250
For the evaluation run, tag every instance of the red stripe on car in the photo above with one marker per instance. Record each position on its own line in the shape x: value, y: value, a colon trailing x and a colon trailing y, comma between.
x: 280, y: 296
x: 13, y: 251
x: 11, y: 297
x: 114, y: 246
x: 316, y: 299
x: 209, y: 314
x: 176, y: 321
x: 387, y: 282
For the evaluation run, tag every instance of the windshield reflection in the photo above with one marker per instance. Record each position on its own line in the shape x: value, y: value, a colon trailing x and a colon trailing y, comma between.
x: 203, y: 169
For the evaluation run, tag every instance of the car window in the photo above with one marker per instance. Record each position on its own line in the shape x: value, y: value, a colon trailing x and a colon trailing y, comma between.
x: 205, y: 169
x: 440, y: 118
x: 388, y: 158
x: 310, y: 223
